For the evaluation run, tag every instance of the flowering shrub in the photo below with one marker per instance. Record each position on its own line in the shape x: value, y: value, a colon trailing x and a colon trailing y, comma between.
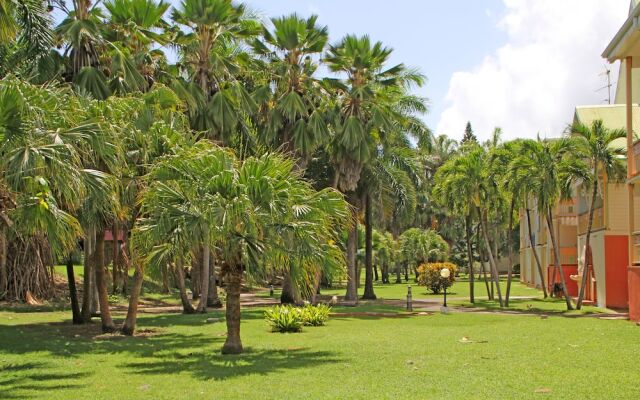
x: 288, y: 318
x: 429, y: 275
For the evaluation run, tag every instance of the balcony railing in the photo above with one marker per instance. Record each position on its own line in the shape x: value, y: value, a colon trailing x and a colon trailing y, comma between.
x: 598, y: 221
x: 635, y: 168
x: 568, y: 255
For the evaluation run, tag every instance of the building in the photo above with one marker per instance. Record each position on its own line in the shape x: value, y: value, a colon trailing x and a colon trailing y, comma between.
x: 625, y: 47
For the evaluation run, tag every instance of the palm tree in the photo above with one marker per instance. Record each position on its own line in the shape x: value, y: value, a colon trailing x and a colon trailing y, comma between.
x: 257, y: 212
x: 418, y: 246
x: 604, y: 158
x: 293, y: 119
x: 362, y: 110
x: 550, y: 167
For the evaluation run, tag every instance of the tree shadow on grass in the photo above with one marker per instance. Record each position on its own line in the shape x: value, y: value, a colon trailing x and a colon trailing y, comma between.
x: 207, y: 365
x: 17, y: 380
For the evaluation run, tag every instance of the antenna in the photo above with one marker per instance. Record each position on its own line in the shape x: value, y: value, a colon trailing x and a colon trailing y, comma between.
x: 607, y: 72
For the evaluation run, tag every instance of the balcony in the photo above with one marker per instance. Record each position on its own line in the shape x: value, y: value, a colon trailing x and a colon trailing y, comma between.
x: 598, y: 221
x: 568, y: 256
x: 635, y: 167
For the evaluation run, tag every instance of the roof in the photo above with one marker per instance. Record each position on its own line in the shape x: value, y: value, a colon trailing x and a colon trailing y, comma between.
x: 626, y: 41
x: 613, y: 116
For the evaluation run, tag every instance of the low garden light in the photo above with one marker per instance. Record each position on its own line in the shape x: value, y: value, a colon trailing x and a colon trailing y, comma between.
x: 445, y: 273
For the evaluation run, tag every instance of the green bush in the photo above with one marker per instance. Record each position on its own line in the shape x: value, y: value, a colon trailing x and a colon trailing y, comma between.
x: 315, y: 315
x: 288, y: 318
x: 284, y: 318
x: 429, y: 276
x: 516, y: 269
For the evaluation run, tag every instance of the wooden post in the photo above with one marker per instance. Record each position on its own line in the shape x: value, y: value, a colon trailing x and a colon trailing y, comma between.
x: 630, y: 160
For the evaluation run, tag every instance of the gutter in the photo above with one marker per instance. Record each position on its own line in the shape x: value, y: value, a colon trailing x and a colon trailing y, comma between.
x: 633, y: 21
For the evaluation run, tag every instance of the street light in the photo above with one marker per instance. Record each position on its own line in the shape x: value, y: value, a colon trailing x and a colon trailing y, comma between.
x: 445, y: 273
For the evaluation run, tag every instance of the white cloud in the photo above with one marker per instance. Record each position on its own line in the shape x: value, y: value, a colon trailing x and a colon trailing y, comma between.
x: 550, y: 64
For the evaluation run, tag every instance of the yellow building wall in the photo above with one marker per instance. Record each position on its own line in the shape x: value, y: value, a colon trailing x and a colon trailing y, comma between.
x: 617, y: 211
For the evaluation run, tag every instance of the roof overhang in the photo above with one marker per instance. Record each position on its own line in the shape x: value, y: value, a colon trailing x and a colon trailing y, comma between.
x: 626, y: 43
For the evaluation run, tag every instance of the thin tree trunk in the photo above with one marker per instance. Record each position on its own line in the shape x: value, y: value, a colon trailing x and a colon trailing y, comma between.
x: 483, y: 264
x: 509, y: 245
x: 187, y: 308
x: 4, y: 276
x: 352, y: 275
x: 535, y: 254
x: 87, y: 295
x: 101, y: 284
x: 492, y: 261
x: 196, y: 268
x: 556, y: 251
x: 467, y: 226
x: 73, y: 293
x: 114, y: 258
x: 368, y: 258
x: 376, y: 275
x: 129, y: 326
x: 213, y: 300
x: 233, y: 343
x: 164, y: 270
x: 204, y: 277
x: 588, y: 258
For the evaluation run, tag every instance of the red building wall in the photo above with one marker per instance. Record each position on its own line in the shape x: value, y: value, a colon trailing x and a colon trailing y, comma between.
x: 572, y: 286
x: 616, y: 279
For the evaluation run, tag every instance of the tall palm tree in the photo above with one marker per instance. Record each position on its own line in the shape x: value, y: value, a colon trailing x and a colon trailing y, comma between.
x: 550, y: 167
x: 363, y: 109
x: 605, y: 158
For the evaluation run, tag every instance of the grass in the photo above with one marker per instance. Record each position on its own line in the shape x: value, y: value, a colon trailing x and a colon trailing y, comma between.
x: 42, y: 356
x: 459, y: 289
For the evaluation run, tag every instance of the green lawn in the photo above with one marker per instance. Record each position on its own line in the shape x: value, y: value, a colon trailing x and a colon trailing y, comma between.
x: 422, y: 357
x: 459, y: 289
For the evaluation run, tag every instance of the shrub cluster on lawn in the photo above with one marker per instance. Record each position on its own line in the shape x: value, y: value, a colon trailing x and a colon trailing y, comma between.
x: 429, y: 276
x: 287, y: 318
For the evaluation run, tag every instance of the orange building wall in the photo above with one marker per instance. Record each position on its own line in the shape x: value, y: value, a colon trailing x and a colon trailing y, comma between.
x: 634, y: 293
x: 572, y: 286
x: 616, y: 262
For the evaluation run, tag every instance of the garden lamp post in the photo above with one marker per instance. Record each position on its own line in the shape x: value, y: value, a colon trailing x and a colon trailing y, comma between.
x: 445, y: 273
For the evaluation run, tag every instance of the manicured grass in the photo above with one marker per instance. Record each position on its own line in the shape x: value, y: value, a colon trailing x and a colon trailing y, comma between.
x: 459, y: 289
x: 422, y: 357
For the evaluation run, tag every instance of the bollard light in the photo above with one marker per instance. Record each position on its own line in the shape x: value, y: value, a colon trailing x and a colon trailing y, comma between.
x: 445, y: 273
x: 409, y: 299
x: 271, y: 291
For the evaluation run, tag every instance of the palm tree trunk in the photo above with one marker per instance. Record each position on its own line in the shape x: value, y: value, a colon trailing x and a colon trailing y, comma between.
x: 101, y: 284
x: 204, y: 277
x: 483, y: 264
x: 114, y: 258
x: 535, y: 254
x: 213, y: 300
x: 492, y: 261
x: 4, y: 276
x: 73, y: 293
x: 588, y: 258
x: 368, y: 258
x: 187, y: 308
x: 352, y: 248
x: 510, y: 266
x: 164, y: 270
x: 87, y: 295
x: 467, y: 226
x: 196, y: 268
x: 288, y: 294
x: 558, y: 266
x: 129, y: 326
x: 233, y: 343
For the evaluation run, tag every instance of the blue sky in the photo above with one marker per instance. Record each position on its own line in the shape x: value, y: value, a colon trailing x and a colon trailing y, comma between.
x: 433, y: 36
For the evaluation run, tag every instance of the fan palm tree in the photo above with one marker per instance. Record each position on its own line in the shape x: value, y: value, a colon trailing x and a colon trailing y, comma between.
x: 363, y: 110
x: 604, y: 158
x: 258, y: 214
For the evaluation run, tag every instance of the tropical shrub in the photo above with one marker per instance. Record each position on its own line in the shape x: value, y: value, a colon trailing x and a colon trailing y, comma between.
x: 429, y: 276
x: 284, y: 318
x: 315, y: 315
